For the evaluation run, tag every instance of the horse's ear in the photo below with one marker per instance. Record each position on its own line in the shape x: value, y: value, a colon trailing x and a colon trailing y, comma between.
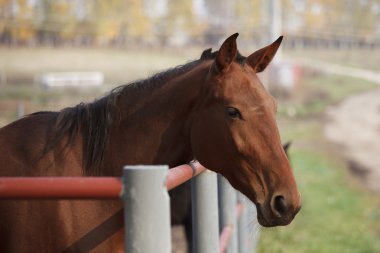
x: 286, y: 147
x: 206, y: 54
x: 260, y: 59
x: 227, y: 53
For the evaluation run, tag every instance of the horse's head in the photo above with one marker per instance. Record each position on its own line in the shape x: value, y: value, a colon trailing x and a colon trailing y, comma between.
x: 234, y: 132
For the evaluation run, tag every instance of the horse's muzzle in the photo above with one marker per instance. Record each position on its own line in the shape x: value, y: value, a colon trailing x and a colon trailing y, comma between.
x: 278, y: 212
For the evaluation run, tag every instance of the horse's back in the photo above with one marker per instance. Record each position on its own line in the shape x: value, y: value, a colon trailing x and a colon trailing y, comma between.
x: 22, y: 142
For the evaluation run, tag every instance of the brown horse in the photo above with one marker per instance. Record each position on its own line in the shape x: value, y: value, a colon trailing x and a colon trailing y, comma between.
x: 180, y: 197
x: 214, y: 110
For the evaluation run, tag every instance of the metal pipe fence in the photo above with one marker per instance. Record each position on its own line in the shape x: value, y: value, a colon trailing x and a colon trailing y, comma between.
x: 218, y: 213
x: 205, y: 213
x: 146, y: 209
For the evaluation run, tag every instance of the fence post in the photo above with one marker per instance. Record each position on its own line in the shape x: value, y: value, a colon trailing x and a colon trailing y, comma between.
x: 252, y: 219
x: 227, y: 211
x: 205, y: 212
x: 242, y: 223
x: 146, y: 209
x: 251, y: 224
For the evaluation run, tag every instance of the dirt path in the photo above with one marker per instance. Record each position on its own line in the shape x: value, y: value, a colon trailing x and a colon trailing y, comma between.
x: 355, y: 126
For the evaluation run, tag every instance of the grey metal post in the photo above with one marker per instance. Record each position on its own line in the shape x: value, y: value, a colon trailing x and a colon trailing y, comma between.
x: 242, y: 223
x: 227, y: 211
x: 254, y: 226
x: 204, y: 197
x: 146, y: 210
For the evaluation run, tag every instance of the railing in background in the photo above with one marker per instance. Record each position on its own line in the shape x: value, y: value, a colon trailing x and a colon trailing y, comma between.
x: 153, y: 227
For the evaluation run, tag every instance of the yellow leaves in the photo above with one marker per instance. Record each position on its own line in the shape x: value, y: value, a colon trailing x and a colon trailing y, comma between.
x: 108, y: 29
x: 25, y: 32
x: 138, y: 24
x: 61, y: 8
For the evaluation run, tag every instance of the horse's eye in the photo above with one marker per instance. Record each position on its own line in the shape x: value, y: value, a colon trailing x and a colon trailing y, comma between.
x: 234, y: 113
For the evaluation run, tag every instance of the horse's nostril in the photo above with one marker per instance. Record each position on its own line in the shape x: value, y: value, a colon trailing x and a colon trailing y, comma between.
x: 279, y: 205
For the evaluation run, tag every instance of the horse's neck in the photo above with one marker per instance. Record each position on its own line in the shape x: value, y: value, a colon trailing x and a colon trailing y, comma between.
x: 155, y: 127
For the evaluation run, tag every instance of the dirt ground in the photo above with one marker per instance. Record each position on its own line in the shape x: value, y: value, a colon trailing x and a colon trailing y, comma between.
x: 354, y: 125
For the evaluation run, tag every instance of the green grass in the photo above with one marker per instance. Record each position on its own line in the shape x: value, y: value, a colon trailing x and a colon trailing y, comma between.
x: 336, y: 216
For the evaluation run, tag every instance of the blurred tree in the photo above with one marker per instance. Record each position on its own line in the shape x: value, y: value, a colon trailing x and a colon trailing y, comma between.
x: 248, y: 18
x: 120, y: 21
x: 21, y: 25
x: 5, y: 14
x: 178, y: 23
x: 65, y: 20
x: 345, y: 17
x: 359, y: 18
x: 138, y: 25
x: 105, y: 18
x: 56, y: 21
x: 221, y: 14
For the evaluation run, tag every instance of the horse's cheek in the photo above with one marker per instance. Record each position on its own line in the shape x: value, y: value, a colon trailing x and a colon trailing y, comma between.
x: 203, y: 145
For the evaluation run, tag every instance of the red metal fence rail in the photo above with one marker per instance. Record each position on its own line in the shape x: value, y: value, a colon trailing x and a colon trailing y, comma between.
x: 81, y: 187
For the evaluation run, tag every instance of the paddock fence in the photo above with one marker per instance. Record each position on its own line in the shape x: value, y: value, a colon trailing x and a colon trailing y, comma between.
x: 223, y: 219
